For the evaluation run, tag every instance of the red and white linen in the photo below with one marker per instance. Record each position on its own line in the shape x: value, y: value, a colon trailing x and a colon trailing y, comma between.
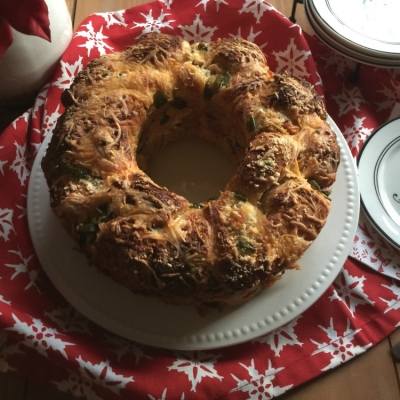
x: 38, y: 327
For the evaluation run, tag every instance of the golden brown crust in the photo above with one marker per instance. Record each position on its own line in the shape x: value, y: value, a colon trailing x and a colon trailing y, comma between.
x: 154, y: 241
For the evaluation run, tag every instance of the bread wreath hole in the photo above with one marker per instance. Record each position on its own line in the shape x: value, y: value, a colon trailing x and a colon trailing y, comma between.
x: 177, y: 155
x: 191, y: 167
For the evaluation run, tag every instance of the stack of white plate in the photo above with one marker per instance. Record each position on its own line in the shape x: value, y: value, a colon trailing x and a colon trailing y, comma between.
x: 378, y: 177
x: 367, y: 31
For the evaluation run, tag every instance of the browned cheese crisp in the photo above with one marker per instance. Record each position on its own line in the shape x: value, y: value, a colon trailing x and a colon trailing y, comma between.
x: 125, y: 106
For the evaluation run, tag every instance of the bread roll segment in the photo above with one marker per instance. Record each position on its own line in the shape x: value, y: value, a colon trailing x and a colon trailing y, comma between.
x: 125, y: 106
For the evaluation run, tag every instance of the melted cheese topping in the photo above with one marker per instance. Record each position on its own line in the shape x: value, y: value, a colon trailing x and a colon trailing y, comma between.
x: 123, y: 107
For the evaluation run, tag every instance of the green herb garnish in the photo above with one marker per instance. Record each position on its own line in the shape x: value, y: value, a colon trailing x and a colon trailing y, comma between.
x: 202, y: 46
x: 222, y: 80
x: 159, y: 99
x: 80, y: 172
x: 239, y: 196
x: 242, y: 245
x: 314, y: 185
x: 86, y: 231
x: 251, y: 124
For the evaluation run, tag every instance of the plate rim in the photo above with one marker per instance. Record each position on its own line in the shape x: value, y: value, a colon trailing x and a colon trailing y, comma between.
x: 375, y: 222
x: 204, y: 339
x: 340, y: 44
x: 352, y: 37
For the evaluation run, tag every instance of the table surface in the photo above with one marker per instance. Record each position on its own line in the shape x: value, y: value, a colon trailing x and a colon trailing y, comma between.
x: 370, y: 376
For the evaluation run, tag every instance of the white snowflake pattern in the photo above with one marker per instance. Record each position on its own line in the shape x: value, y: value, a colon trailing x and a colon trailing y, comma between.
x: 319, y: 83
x: 293, y: 60
x: 197, y: 32
x: 69, y: 319
x: 196, y: 365
x: 122, y: 347
x: 49, y: 121
x: 35, y: 147
x: 164, y: 396
x: 25, y: 117
x: 391, y: 96
x: 4, y: 301
x: 358, y: 250
x: 7, y: 350
x: 205, y: 2
x: 78, y: 386
x: 260, y: 386
x: 341, y: 65
x: 281, y: 337
x: 68, y: 73
x: 251, y: 37
x: 40, y: 337
x: 370, y: 248
x: 394, y: 73
x: 349, y: 290
x: 22, y: 268
x: 393, y: 304
x: 356, y: 134
x: 395, y: 110
x: 256, y: 7
x: 113, y: 18
x: 6, y: 225
x: 102, y: 374
x: 349, y: 100
x: 340, y: 348
x: 2, y: 164
x: 153, y: 25
x: 167, y: 3
x: 40, y: 100
x: 294, y: 26
x: 94, y: 39
x: 19, y: 165
x: 22, y: 208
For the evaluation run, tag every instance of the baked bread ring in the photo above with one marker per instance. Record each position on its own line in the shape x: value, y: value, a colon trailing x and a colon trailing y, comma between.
x: 125, y: 106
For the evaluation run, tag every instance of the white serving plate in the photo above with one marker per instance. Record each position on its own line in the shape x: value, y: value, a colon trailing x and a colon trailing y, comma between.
x: 351, y: 28
x: 370, y: 26
x: 149, y: 321
x: 379, y: 179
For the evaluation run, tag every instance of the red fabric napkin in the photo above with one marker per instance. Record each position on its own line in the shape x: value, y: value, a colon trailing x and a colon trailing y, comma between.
x: 38, y: 327
x: 30, y: 17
